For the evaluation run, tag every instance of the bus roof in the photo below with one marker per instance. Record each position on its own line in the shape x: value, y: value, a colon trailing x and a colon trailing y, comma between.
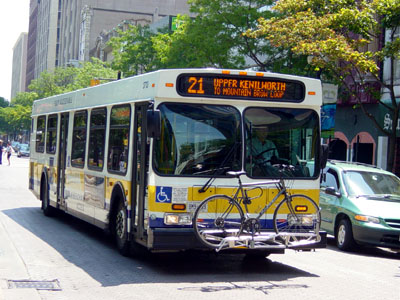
x: 164, y: 83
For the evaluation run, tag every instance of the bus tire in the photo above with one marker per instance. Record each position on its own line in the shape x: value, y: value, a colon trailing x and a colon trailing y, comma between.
x: 48, y: 210
x: 120, y: 228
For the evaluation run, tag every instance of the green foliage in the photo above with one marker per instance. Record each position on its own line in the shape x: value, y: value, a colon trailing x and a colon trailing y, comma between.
x: 134, y: 52
x: 4, y: 102
x: 16, y: 117
x: 24, y: 98
x: 214, y: 38
x: 219, y: 26
x: 335, y: 35
x: 68, y: 79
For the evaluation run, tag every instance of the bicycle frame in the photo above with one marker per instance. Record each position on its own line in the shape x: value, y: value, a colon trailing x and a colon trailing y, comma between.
x: 294, y: 231
x: 244, y: 199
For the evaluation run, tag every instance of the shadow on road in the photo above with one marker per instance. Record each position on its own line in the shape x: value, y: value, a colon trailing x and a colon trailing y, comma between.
x: 364, y: 250
x: 90, y: 249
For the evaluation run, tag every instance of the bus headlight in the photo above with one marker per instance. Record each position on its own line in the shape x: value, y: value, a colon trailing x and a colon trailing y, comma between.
x: 178, y: 219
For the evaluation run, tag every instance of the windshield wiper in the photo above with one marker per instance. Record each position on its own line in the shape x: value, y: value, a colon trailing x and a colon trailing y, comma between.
x: 211, y: 171
x: 379, y: 196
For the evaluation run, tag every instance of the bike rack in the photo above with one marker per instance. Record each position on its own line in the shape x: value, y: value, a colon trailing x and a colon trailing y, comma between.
x: 267, y: 240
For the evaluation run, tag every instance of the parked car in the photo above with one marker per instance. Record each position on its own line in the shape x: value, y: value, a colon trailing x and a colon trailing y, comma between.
x: 15, y: 145
x: 360, y: 204
x: 23, y: 150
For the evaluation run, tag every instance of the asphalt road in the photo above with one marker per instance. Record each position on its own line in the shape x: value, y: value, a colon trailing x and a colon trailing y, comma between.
x: 78, y: 261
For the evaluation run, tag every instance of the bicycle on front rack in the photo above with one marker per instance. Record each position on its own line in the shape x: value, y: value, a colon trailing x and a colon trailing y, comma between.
x: 222, y: 222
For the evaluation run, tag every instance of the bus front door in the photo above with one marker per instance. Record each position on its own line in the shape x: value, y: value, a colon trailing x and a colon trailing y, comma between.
x: 62, y: 158
x: 139, y: 175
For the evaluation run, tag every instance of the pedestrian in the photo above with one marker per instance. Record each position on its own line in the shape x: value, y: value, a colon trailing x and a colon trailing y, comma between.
x: 9, y: 150
x: 1, y: 151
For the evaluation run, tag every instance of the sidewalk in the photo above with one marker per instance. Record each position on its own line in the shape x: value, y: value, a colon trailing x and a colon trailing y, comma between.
x: 12, y: 267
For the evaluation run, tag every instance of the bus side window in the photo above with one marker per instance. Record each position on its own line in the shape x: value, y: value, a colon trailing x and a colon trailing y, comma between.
x: 118, y: 147
x: 79, y: 139
x: 97, y: 134
x: 51, y: 140
x: 40, y: 133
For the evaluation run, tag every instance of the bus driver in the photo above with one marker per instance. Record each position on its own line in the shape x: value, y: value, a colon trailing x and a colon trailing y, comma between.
x: 264, y: 152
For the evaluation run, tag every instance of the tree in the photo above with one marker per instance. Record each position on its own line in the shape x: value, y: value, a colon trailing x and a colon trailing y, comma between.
x: 133, y: 51
x: 24, y: 98
x: 194, y: 45
x: 67, y: 79
x: 17, y: 117
x: 214, y: 38
x: 335, y: 34
x: 219, y: 27
x: 4, y: 102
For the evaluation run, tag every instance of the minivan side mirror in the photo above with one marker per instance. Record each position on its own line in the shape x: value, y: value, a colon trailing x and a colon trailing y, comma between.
x: 332, y: 191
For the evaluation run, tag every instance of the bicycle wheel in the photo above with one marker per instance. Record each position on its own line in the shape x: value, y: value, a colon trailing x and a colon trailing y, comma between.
x: 299, y: 216
x: 216, y: 218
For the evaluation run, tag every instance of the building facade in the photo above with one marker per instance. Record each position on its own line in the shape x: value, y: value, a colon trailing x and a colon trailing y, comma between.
x: 63, y: 32
x: 355, y: 137
x: 47, y: 33
x: 31, y: 54
x: 83, y: 21
x: 18, y: 80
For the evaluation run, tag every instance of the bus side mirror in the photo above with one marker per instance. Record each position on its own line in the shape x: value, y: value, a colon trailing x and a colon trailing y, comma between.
x: 153, y: 123
x: 324, y: 152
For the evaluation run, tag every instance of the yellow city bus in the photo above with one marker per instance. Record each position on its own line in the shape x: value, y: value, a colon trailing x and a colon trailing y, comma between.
x: 137, y: 156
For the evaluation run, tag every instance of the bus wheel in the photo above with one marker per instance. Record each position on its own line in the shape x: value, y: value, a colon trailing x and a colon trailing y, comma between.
x: 48, y: 211
x: 120, y: 229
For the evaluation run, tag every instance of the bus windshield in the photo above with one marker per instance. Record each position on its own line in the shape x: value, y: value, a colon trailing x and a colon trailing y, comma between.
x: 198, y: 140
x: 276, y: 136
x: 203, y: 140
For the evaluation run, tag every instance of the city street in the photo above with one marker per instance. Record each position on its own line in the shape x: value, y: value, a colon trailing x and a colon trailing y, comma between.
x: 78, y: 261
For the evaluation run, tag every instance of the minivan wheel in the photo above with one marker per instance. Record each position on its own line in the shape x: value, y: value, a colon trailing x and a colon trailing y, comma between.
x: 344, y: 235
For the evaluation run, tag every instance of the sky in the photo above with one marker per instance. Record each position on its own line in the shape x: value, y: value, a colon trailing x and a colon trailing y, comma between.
x: 14, y: 19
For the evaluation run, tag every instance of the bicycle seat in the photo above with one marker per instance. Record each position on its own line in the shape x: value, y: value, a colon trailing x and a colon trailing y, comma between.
x: 236, y: 173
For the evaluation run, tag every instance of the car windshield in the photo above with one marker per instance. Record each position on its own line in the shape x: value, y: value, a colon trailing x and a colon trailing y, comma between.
x: 24, y: 147
x: 367, y: 183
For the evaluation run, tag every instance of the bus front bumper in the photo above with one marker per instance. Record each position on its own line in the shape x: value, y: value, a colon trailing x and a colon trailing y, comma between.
x: 169, y: 239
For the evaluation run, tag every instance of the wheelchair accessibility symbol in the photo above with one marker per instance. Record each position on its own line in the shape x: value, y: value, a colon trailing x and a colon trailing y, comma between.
x: 163, y: 194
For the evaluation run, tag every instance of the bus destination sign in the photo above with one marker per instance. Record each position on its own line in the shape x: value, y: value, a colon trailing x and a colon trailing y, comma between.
x: 240, y: 87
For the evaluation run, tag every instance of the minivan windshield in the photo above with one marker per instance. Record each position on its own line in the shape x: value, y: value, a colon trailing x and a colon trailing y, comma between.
x: 360, y: 183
